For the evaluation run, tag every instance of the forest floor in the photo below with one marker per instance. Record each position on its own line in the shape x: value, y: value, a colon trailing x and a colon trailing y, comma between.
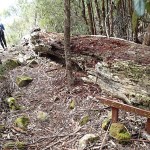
x: 48, y: 93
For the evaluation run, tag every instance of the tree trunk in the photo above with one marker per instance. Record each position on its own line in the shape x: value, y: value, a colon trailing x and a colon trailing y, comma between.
x: 93, y: 20
x: 111, y: 18
x: 67, y: 42
x: 90, y: 18
x: 84, y: 14
x: 103, y: 15
x: 98, y: 15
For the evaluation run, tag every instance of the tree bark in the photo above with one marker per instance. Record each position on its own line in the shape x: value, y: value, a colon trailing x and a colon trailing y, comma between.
x: 67, y: 43
x: 99, y: 16
x: 90, y: 17
x: 103, y: 15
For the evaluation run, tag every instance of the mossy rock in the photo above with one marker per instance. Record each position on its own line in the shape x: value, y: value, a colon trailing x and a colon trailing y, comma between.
x: 11, y: 64
x: 2, y: 69
x: 88, y: 138
x: 119, y: 132
x: 72, y: 104
x: 84, y: 120
x: 106, y: 123
x: 42, y: 116
x: 13, y: 104
x: 22, y: 122
x: 23, y: 81
x: 13, y: 145
x: 33, y: 63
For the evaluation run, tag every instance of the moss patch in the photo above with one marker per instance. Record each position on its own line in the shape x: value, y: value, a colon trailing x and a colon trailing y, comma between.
x: 22, y: 122
x: 119, y: 132
x: 84, y: 120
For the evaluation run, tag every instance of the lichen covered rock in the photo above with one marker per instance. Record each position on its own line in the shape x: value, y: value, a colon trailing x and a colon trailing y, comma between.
x: 33, y: 63
x: 12, y: 104
x: 11, y: 64
x: 23, y: 80
x: 72, y: 104
x: 119, y: 132
x: 86, y: 139
x: 42, y: 116
x: 22, y: 122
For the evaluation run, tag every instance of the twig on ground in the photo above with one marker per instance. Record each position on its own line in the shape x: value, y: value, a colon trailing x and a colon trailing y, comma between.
x: 47, y: 147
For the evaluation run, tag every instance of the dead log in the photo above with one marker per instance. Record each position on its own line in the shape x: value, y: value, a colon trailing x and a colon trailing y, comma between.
x: 121, y: 68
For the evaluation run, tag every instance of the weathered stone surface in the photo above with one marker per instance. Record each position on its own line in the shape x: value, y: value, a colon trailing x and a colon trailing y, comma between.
x: 85, y: 139
x: 11, y: 64
x: 23, y: 80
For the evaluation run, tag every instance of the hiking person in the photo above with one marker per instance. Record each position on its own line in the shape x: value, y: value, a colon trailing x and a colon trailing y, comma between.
x: 2, y: 37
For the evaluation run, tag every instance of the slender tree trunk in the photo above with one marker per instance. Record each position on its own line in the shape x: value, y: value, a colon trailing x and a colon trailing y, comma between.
x: 90, y: 17
x: 130, y: 13
x: 93, y: 20
x: 103, y: 15
x: 107, y: 19
x: 84, y: 15
x: 111, y: 18
x: 98, y: 15
x: 67, y: 42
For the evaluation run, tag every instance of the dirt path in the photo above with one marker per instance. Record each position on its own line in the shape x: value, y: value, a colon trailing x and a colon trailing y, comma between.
x: 48, y: 93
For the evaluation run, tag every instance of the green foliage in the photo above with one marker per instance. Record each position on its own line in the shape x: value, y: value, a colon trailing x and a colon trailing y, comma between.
x: 139, y: 6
